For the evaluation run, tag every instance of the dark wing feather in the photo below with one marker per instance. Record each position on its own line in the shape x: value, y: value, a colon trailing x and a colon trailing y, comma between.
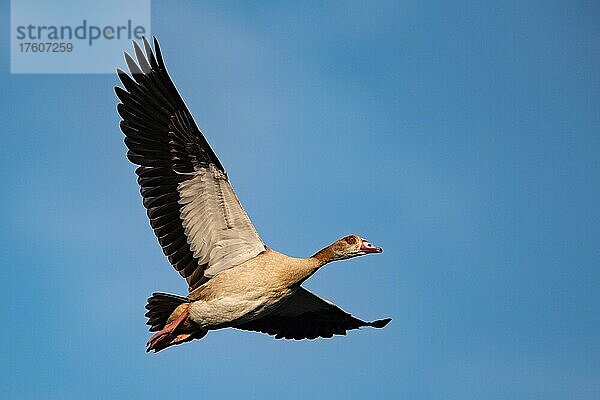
x: 198, y: 220
x: 307, y: 316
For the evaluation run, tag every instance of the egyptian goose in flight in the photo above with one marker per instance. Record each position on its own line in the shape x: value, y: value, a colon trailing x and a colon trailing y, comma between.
x: 234, y: 279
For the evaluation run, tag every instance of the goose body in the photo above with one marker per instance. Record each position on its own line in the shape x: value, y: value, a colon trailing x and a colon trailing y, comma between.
x: 234, y: 279
x: 250, y: 290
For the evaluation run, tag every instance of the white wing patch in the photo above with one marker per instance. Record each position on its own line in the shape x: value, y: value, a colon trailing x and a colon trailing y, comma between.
x: 217, y: 228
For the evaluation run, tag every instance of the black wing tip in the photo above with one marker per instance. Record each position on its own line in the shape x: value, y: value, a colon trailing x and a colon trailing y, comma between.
x: 380, y: 323
x: 158, y: 53
x: 146, y: 63
x: 151, y: 54
x: 145, y: 40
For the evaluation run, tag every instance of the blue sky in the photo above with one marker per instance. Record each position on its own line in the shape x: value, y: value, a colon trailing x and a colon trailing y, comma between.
x: 463, y: 138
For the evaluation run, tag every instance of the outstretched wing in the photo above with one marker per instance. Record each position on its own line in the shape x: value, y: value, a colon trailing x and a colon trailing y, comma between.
x: 200, y: 224
x: 307, y: 316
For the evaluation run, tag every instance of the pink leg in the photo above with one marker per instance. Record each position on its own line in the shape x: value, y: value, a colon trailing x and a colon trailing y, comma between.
x: 186, y: 337
x: 167, y: 331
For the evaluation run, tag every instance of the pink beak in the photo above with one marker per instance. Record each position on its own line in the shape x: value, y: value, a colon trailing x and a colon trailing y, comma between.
x: 369, y: 248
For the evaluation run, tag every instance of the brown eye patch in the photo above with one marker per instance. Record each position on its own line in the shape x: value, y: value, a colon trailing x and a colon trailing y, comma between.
x: 350, y: 239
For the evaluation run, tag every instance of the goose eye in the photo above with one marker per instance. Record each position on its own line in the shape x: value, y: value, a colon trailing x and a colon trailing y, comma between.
x: 350, y: 239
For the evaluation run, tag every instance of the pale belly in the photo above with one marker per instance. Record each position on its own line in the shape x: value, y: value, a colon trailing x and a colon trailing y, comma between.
x: 235, y: 309
x: 248, y: 291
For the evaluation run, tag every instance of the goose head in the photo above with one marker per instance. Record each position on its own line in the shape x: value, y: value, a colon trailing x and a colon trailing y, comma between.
x: 347, y: 247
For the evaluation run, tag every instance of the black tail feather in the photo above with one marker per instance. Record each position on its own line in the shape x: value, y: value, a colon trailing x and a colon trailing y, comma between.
x: 160, y: 307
